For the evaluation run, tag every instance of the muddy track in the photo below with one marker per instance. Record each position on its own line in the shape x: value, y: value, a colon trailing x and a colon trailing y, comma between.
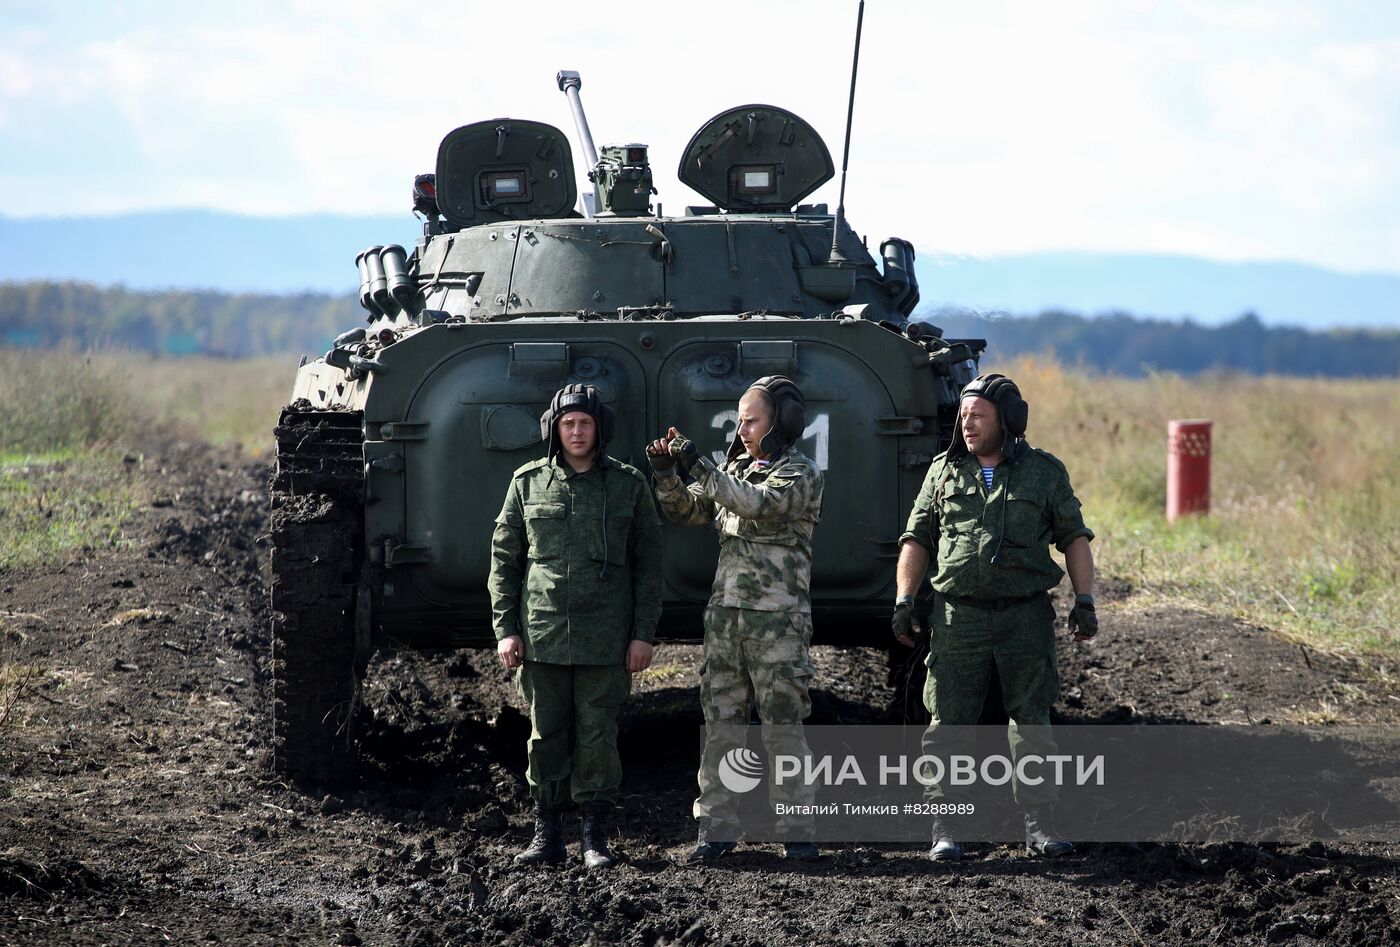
x: 138, y: 806
x: 316, y: 514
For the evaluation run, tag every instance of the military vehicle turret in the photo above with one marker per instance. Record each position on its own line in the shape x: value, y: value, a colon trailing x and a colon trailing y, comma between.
x: 395, y: 451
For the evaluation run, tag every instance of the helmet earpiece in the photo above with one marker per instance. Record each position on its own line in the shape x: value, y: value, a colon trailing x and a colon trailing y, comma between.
x: 789, y: 408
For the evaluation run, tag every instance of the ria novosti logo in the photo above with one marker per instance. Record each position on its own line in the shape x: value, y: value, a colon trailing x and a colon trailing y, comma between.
x: 741, y: 770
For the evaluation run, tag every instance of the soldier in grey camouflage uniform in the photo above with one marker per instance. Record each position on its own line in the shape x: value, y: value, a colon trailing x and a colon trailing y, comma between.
x: 576, y: 593
x: 764, y: 502
x: 988, y: 512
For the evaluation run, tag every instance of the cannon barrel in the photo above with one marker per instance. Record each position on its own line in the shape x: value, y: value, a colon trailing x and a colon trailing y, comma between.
x: 569, y: 83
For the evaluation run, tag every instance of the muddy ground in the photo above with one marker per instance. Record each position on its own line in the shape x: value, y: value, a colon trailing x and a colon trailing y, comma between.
x: 136, y: 805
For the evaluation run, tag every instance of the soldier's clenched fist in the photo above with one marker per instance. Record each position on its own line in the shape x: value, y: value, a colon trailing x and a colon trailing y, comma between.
x: 511, y: 651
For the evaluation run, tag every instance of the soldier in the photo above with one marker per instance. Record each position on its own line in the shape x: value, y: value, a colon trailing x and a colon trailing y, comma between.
x: 764, y: 502
x: 576, y: 594
x: 989, y: 509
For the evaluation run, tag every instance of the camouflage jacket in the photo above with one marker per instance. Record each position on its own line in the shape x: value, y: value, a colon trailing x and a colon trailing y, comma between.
x: 548, y: 549
x: 765, y: 515
x: 960, y: 522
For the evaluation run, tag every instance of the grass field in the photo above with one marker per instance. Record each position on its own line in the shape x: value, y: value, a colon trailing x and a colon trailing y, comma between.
x: 67, y: 480
x: 1304, y: 529
x: 1304, y: 533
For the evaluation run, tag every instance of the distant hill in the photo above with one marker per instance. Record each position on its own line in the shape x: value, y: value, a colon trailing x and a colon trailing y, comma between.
x: 46, y: 315
x: 237, y: 254
x: 195, y: 249
x: 1161, y: 286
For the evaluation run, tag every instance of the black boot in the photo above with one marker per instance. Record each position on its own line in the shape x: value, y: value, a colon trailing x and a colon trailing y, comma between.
x: 547, y: 847
x: 594, y: 836
x: 945, y: 847
x: 1041, y: 838
x: 708, y: 846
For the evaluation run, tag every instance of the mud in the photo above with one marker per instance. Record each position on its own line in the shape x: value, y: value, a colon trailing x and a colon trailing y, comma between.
x: 137, y: 805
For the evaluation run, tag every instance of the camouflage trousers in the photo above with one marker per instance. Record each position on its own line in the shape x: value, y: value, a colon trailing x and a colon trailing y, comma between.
x: 966, y: 643
x: 754, y: 659
x: 572, y: 753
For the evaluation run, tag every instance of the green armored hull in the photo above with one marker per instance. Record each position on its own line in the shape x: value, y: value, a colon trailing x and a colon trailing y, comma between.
x: 398, y: 444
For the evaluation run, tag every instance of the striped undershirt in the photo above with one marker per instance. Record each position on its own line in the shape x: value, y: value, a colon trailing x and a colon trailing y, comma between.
x: 987, y: 476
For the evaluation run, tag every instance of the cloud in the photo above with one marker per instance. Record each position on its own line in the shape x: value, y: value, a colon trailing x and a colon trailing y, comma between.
x: 1232, y: 129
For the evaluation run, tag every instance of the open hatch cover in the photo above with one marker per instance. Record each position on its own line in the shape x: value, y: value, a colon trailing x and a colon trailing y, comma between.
x: 505, y: 169
x: 756, y: 158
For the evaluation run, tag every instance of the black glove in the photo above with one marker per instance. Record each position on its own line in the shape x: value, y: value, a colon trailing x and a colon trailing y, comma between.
x: 683, y: 452
x: 904, y: 623
x: 1083, y: 620
x: 661, y: 463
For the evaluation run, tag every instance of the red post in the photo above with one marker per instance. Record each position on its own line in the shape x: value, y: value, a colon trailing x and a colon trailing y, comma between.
x: 1188, y: 468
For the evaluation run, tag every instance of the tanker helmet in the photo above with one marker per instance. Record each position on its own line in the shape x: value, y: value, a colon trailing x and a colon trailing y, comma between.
x: 789, y: 409
x: 1012, y: 411
x: 577, y: 398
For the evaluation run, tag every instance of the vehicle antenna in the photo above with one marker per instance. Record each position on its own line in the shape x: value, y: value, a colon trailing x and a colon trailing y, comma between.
x: 836, y: 255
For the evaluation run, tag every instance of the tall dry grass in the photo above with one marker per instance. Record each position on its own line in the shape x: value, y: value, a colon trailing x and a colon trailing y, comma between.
x: 64, y: 401
x: 1304, y: 529
x: 222, y: 401
x: 66, y: 482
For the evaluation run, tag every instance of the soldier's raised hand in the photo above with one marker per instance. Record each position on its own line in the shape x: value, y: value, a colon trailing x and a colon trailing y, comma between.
x: 659, y: 454
x: 682, y: 449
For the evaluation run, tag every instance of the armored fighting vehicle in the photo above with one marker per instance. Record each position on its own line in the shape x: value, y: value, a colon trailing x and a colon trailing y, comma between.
x: 395, y: 451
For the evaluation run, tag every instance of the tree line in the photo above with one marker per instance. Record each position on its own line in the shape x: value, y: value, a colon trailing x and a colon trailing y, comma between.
x: 171, y: 322
x: 1122, y: 344
x: 236, y: 325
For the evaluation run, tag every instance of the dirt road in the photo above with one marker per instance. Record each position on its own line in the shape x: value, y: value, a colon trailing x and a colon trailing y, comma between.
x: 136, y: 806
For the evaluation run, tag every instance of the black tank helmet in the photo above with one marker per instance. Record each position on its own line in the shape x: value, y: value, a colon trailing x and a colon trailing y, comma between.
x: 1012, y: 411
x: 577, y: 398
x: 789, y: 415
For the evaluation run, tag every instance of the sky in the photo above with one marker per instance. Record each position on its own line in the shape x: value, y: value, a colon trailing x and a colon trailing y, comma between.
x: 1227, y: 130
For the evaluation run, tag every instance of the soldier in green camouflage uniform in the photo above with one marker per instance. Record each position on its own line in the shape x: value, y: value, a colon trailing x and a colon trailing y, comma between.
x: 576, y: 593
x: 992, y: 571
x: 764, y: 502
